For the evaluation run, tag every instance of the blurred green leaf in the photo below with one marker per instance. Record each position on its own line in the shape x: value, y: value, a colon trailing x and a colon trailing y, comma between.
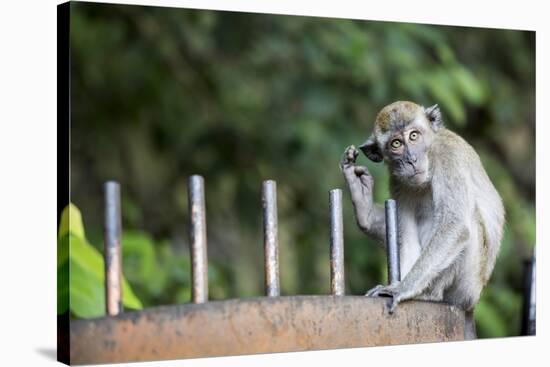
x: 468, y: 85
x: 86, y: 289
x: 71, y: 222
x: 488, y: 320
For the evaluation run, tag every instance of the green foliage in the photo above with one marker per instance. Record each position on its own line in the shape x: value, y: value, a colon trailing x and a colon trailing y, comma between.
x: 161, y: 275
x: 84, y: 294
x: 157, y: 273
x: 239, y: 98
x: 499, y: 307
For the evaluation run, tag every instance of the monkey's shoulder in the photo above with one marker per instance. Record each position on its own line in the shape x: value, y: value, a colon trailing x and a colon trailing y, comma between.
x: 453, y: 150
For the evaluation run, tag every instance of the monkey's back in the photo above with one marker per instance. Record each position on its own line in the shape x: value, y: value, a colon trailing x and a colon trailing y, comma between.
x: 487, y: 208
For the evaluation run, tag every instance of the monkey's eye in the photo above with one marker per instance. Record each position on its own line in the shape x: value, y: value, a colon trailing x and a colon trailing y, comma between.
x: 414, y: 135
x: 395, y: 143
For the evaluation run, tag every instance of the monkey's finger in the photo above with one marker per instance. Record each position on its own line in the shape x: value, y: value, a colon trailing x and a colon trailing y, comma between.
x: 393, y: 304
x: 361, y: 170
x: 349, y: 173
x: 374, y: 291
x: 366, y: 181
x: 350, y: 154
x: 364, y: 176
x: 354, y: 152
x: 345, y: 161
x: 345, y: 165
x: 371, y: 293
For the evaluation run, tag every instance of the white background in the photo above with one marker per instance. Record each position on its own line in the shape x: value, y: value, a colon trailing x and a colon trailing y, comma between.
x: 28, y: 166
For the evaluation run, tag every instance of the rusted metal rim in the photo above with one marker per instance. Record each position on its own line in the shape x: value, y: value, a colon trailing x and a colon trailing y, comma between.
x: 260, y: 325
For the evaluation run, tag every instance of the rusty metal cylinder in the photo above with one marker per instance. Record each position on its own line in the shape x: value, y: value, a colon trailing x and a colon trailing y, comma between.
x: 392, y: 242
x: 113, y: 254
x: 271, y: 240
x: 337, y: 285
x: 199, y: 259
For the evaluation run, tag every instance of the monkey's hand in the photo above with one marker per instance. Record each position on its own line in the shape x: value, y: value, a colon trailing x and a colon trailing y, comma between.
x: 358, y: 178
x: 394, y: 291
x: 369, y: 216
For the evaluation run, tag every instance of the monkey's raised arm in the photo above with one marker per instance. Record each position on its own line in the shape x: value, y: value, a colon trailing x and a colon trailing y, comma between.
x: 369, y: 215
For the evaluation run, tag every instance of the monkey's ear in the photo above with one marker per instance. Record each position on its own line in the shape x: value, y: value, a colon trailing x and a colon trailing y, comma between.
x: 434, y: 116
x: 371, y: 150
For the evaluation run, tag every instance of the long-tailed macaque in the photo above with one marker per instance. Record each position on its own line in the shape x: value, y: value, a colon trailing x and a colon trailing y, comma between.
x: 451, y: 217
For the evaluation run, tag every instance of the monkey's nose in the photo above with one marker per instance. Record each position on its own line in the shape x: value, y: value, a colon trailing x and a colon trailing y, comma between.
x: 412, y: 158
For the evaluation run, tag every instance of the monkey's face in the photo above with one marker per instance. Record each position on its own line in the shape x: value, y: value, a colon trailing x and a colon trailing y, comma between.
x: 403, y: 133
x: 405, y: 153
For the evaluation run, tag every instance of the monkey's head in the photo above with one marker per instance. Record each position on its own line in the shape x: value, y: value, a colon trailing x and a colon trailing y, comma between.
x: 403, y: 133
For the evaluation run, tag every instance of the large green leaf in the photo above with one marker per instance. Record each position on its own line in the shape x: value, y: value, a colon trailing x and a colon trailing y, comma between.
x: 84, y: 292
x: 71, y: 221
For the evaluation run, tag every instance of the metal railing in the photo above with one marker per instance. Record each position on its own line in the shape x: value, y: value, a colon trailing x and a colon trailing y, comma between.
x: 198, y: 242
x: 273, y: 323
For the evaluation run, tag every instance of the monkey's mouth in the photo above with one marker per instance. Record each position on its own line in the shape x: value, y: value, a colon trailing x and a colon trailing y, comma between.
x: 416, y: 173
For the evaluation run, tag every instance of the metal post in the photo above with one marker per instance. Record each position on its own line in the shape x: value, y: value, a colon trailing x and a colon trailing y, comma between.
x: 113, y: 256
x: 337, y: 285
x: 271, y: 241
x: 199, y: 261
x: 392, y: 245
x: 529, y: 320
